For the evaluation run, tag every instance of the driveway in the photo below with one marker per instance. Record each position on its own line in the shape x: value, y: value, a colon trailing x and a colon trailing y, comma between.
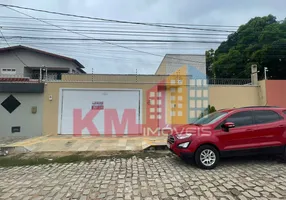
x: 166, y: 177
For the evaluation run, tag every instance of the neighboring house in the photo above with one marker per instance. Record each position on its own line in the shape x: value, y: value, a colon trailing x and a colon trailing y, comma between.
x: 173, y: 62
x: 26, y: 62
x: 21, y: 105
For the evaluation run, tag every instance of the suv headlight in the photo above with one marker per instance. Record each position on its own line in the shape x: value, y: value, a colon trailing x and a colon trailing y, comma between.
x: 183, y: 136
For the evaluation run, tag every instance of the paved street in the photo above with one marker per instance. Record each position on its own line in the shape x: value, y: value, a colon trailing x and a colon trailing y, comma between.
x: 150, y: 178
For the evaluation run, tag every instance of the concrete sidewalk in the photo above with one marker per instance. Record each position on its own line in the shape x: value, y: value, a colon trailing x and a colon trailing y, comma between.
x: 89, y: 143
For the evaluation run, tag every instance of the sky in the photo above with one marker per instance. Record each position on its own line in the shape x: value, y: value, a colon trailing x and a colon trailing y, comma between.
x: 143, y: 58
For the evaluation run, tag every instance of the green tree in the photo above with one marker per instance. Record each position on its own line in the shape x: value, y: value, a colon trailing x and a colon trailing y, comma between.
x: 208, y: 110
x: 209, y: 61
x: 261, y: 41
x: 211, y: 109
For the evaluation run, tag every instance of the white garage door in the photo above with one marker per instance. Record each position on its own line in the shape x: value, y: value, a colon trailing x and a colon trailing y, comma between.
x: 85, y: 99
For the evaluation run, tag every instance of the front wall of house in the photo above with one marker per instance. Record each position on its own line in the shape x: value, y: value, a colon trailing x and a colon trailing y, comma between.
x: 232, y: 96
x: 29, y: 122
x: 156, y: 102
x: 52, y: 99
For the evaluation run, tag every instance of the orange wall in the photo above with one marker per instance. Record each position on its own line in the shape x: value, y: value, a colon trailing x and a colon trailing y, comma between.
x: 276, y: 92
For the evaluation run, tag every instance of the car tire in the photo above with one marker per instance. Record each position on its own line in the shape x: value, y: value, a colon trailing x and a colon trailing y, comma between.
x: 207, y: 157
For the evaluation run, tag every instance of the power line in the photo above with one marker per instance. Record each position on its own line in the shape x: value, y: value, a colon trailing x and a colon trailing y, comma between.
x: 155, y: 46
x: 92, y: 37
x: 21, y: 28
x: 92, y: 43
x: 86, y: 35
x: 116, y: 57
x: 104, y: 26
x: 111, y: 20
x: 110, y: 39
x: 105, y: 58
x: 89, y: 21
x: 13, y: 51
x: 201, y: 36
x: 13, y: 25
x: 41, y: 27
x: 149, y: 45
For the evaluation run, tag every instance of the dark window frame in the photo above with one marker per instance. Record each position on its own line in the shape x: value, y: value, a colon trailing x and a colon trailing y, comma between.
x: 252, y: 117
x: 278, y: 119
x: 7, y: 70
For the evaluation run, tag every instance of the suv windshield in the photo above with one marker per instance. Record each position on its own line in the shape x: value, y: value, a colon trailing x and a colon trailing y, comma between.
x: 210, y: 118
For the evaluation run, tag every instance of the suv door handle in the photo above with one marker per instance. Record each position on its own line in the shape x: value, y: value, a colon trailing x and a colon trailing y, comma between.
x: 249, y: 129
x: 281, y: 125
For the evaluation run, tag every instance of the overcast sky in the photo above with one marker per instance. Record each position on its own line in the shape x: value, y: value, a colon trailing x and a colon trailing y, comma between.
x: 106, y: 58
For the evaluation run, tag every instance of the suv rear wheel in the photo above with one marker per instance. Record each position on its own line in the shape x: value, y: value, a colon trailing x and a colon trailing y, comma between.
x: 207, y: 157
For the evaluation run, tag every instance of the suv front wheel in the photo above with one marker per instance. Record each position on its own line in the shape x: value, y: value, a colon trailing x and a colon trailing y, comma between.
x: 207, y: 157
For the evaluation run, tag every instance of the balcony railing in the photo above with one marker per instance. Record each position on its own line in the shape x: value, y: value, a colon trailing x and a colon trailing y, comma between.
x: 30, y: 77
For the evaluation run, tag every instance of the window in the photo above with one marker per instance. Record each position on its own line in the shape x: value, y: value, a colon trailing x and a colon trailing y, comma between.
x: 266, y: 116
x: 211, y: 118
x: 8, y: 71
x: 243, y: 118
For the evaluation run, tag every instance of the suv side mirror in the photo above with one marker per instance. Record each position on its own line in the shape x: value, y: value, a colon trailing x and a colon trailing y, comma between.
x: 226, y: 126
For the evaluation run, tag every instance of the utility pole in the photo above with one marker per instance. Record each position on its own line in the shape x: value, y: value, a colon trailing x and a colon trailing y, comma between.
x: 265, y: 73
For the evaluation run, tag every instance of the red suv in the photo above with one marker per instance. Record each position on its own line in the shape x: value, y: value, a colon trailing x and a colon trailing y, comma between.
x: 231, y: 132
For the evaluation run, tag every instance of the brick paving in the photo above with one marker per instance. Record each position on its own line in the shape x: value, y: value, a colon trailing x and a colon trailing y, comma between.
x: 166, y: 177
